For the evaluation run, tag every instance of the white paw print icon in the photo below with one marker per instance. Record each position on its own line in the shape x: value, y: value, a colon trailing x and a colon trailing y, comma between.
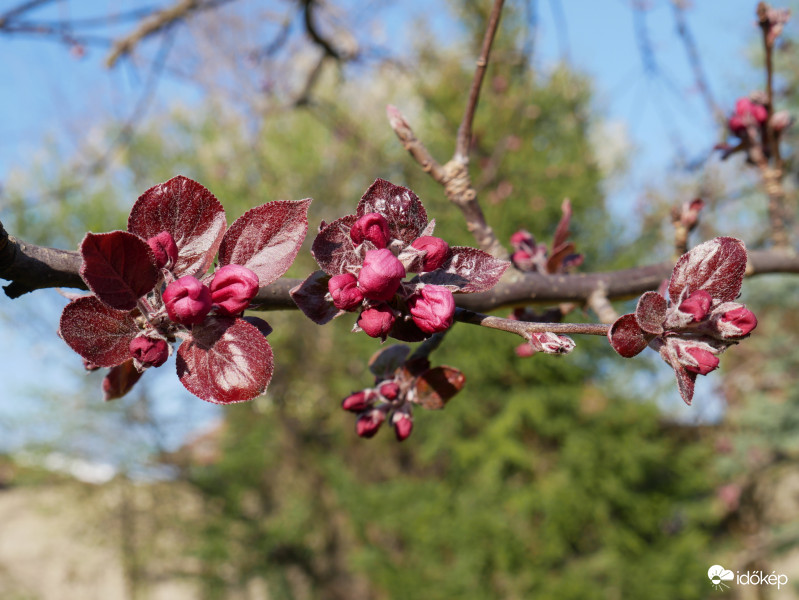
x: 718, y: 575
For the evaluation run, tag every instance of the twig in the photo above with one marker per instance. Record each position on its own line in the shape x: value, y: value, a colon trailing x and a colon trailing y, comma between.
x: 599, y: 303
x: 524, y: 328
x: 465, y: 129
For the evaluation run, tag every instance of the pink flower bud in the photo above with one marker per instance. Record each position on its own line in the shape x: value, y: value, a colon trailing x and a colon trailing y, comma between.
x: 437, y: 251
x: 522, y: 238
x: 432, y: 309
x: 148, y: 352
x: 746, y: 113
x: 359, y: 401
x: 522, y: 260
x: 232, y: 288
x: 164, y: 248
x: 697, y: 305
x: 780, y: 121
x: 737, y: 322
x: 187, y: 300
x: 368, y: 424
x: 403, y: 425
x: 380, y: 275
x: 345, y: 291
x: 705, y: 361
x: 372, y: 227
x: 377, y: 321
x: 390, y: 390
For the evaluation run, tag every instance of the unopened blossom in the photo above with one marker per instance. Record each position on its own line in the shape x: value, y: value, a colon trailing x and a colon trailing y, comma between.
x: 746, y: 113
x: 390, y: 390
x: 232, y: 288
x: 164, y: 248
x: 149, y: 352
x: 697, y: 305
x: 187, y: 300
x: 703, y: 361
x: 359, y: 401
x: 403, y: 425
x: 368, y: 423
x: 432, y: 309
x: 437, y: 251
x: 372, y: 227
x: 377, y: 320
x: 380, y: 275
x: 344, y: 291
x: 737, y: 322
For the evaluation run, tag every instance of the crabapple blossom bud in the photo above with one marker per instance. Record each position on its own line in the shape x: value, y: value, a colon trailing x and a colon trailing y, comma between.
x: 187, y: 300
x: 697, y: 305
x: 432, y: 309
x: 389, y: 390
x: 746, y: 113
x: 380, y: 275
x: 735, y: 323
x: 522, y: 238
x: 345, y: 291
x: 403, y: 425
x: 705, y: 361
x: 780, y: 121
x: 437, y: 251
x: 165, y: 250
x: 359, y: 401
x: 232, y: 288
x: 368, y: 424
x: 372, y: 227
x: 148, y: 352
x: 377, y: 321
x: 522, y: 260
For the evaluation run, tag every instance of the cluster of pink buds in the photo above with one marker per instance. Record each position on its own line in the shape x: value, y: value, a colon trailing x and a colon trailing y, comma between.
x: 701, y: 321
x: 400, y: 383
x: 384, y: 264
x: 752, y: 125
x: 151, y: 286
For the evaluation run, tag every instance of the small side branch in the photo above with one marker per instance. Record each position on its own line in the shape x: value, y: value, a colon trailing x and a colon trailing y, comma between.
x: 525, y: 328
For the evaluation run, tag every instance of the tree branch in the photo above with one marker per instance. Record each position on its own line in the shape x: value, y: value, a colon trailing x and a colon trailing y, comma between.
x: 30, y: 267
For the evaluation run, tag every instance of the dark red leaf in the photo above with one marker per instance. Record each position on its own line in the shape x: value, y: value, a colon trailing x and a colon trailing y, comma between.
x: 264, y: 327
x: 435, y: 387
x: 100, y: 334
x: 333, y: 248
x: 651, y: 312
x: 266, y: 239
x: 384, y: 362
x: 400, y: 206
x: 686, y: 380
x: 468, y: 269
x: 189, y: 212
x: 716, y: 266
x: 225, y: 361
x: 407, y: 331
x: 120, y: 380
x: 309, y: 297
x: 559, y: 254
x: 627, y: 337
x: 562, y: 231
x: 119, y: 267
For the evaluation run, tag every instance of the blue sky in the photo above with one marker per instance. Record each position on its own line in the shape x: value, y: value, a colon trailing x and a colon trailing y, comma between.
x: 49, y: 95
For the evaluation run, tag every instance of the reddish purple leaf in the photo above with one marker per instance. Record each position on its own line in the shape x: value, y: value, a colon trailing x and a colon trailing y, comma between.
x: 437, y: 386
x: 559, y: 254
x: 468, y: 269
x: 407, y: 331
x: 100, y: 334
x: 333, y: 248
x: 119, y: 267
x: 716, y: 266
x: 400, y: 206
x: 686, y: 381
x: 309, y: 297
x: 266, y: 239
x: 651, y: 312
x: 120, y: 380
x: 384, y: 362
x: 262, y: 326
x: 189, y: 212
x: 562, y: 231
x: 626, y: 336
x: 225, y: 361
